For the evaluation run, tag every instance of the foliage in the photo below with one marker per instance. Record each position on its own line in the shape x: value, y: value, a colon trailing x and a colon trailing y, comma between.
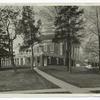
x: 4, y: 45
x: 92, y: 45
x: 9, y: 19
x: 3, y: 38
x: 8, y: 22
x: 69, y: 21
x: 28, y: 28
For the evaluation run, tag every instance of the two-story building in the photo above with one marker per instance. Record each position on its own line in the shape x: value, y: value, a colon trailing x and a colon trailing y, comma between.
x: 45, y: 53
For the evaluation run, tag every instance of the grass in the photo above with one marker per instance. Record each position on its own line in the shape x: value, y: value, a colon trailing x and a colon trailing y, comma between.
x: 24, y: 79
x: 80, y: 77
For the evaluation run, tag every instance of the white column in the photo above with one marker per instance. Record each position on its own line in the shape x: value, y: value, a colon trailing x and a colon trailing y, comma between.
x: 24, y: 61
x: 34, y: 61
x: 57, y: 60
x: 45, y: 61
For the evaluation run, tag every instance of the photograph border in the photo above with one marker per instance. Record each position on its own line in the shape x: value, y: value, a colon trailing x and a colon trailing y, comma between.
x: 49, y: 4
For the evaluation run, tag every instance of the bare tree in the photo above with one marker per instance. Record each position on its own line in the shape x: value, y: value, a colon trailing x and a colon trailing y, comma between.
x: 9, y: 17
x: 93, y: 27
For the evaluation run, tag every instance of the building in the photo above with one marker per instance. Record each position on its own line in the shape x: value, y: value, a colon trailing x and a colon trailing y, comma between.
x: 46, y: 53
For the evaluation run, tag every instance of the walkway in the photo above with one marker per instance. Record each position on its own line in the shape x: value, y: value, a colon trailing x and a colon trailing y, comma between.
x: 36, y: 91
x: 60, y: 83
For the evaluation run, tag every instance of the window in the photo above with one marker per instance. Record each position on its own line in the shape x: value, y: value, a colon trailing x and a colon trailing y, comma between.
x: 26, y: 51
x: 37, y: 49
x: 45, y: 48
x: 40, y: 50
x: 29, y: 60
x: 29, y: 51
x: 17, y: 61
x: 52, y: 47
x: 34, y: 49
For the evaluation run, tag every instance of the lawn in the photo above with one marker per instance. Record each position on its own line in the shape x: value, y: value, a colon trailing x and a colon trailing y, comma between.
x: 80, y: 77
x: 24, y: 79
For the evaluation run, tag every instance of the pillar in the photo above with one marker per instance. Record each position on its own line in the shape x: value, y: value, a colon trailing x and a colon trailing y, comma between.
x: 45, y: 61
x: 57, y: 60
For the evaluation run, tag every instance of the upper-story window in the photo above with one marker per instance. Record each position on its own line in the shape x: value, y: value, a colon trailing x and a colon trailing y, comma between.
x: 21, y: 52
x: 37, y: 49
x: 29, y: 51
x: 45, y: 48
x: 61, y: 48
x: 52, y: 47
x: 34, y: 49
x: 17, y: 61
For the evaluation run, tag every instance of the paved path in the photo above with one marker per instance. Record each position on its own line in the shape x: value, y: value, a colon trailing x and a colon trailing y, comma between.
x: 92, y: 89
x: 60, y: 83
x: 36, y: 91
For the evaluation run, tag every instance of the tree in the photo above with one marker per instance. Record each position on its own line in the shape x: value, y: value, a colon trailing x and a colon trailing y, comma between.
x: 3, y: 43
x: 98, y: 31
x: 93, y: 27
x: 68, y: 22
x: 9, y: 19
x: 3, y: 38
x: 28, y: 28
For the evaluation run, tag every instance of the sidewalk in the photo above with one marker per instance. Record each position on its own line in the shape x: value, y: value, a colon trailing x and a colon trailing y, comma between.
x: 36, y: 91
x: 60, y: 83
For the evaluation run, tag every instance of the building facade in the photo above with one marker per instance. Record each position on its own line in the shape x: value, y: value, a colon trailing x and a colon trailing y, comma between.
x: 45, y: 53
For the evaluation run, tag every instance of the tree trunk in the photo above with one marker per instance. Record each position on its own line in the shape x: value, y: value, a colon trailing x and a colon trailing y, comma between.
x: 67, y: 56
x: 0, y: 62
x: 70, y: 60
x: 99, y: 52
x: 12, y: 56
x: 32, y: 57
x: 69, y: 53
x: 74, y: 56
x: 65, y: 53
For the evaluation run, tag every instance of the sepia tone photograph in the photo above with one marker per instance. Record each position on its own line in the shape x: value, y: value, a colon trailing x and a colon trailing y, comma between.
x: 49, y: 49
